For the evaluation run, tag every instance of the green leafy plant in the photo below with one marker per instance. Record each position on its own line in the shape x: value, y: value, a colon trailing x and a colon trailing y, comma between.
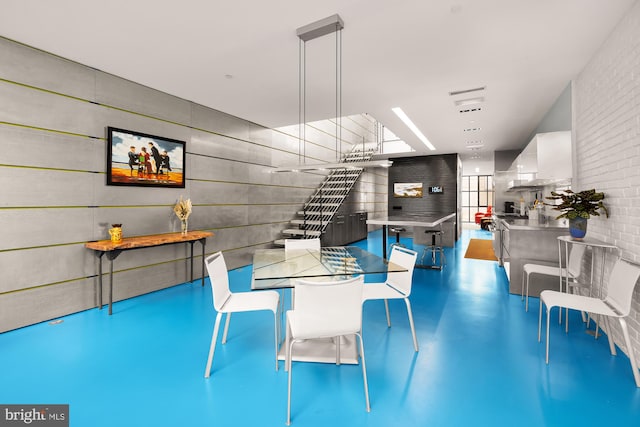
x: 582, y: 204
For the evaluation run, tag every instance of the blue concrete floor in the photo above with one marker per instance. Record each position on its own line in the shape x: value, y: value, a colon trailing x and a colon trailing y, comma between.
x: 479, y: 363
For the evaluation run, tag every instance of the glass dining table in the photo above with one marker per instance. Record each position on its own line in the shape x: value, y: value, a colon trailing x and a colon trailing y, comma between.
x: 275, y: 269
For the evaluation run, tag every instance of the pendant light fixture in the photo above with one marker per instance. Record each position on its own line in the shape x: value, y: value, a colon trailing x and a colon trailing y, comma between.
x: 330, y: 25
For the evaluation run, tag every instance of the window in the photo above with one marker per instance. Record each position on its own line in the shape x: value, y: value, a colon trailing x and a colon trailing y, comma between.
x: 477, y: 195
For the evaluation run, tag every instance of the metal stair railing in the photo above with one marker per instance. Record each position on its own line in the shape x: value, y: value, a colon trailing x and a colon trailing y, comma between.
x: 319, y: 210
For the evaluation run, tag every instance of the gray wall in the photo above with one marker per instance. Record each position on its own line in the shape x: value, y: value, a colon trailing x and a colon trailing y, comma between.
x: 558, y: 118
x: 429, y: 170
x: 53, y: 115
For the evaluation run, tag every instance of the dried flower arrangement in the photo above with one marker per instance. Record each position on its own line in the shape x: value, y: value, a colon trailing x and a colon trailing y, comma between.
x: 182, y: 209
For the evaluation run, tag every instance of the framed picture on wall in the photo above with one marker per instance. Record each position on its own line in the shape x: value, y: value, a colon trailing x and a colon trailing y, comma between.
x: 407, y: 189
x: 143, y: 160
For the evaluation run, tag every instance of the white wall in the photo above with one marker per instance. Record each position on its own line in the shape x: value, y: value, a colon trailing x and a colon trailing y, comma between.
x: 607, y: 145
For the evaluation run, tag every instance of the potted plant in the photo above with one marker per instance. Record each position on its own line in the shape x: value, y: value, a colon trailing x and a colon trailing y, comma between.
x: 578, y: 208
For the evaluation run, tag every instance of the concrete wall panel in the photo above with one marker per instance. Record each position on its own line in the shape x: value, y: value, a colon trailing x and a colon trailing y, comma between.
x: 29, y: 67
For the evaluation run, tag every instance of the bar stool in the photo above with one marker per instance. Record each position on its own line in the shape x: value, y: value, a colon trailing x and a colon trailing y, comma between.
x: 434, y: 247
x: 397, y: 231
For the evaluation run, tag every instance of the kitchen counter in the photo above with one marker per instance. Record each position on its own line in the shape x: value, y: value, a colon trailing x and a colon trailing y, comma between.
x: 527, y: 224
x: 519, y: 241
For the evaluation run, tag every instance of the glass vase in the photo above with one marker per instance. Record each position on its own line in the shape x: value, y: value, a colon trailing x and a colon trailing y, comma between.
x: 184, y: 224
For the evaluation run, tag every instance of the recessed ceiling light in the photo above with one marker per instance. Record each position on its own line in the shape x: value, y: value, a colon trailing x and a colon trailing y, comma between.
x: 469, y: 101
x: 407, y: 121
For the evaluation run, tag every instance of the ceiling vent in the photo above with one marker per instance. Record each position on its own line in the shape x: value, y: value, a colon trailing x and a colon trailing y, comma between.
x: 461, y: 92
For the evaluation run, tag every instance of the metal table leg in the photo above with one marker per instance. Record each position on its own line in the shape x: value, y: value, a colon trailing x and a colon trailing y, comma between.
x: 204, y: 244
x: 384, y: 241
x: 99, y: 254
x: 111, y: 255
x: 191, y: 244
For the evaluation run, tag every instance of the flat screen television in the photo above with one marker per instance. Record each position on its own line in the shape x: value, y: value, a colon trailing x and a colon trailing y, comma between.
x: 144, y: 160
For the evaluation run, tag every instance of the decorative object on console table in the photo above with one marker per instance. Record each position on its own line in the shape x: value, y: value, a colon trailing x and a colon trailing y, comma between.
x: 182, y: 210
x: 578, y: 208
x: 116, y: 233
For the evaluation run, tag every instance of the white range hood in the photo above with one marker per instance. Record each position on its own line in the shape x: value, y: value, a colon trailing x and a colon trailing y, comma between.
x: 546, y: 160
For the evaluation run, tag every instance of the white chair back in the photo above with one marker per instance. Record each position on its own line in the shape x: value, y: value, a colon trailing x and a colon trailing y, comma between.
x: 328, y: 309
x: 574, y: 265
x: 621, y: 285
x: 402, y: 280
x: 293, y: 244
x: 219, y: 277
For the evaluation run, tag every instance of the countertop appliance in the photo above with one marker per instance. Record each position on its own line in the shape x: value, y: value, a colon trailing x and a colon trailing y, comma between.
x: 509, y: 207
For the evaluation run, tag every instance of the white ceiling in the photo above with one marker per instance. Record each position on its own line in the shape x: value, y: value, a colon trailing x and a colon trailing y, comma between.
x: 242, y: 56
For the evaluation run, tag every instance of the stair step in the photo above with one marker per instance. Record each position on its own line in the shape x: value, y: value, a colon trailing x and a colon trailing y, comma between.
x: 315, y: 213
x: 343, y: 189
x: 326, y: 205
x: 298, y: 232
x: 308, y: 222
x: 338, y: 182
x: 330, y: 196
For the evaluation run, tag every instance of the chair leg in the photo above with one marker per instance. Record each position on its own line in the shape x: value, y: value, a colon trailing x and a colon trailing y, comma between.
x: 276, y: 334
x: 287, y: 341
x: 288, y: 367
x: 627, y: 342
x: 522, y: 291
x: 226, y: 328
x: 526, y: 303
x: 548, y: 321
x: 386, y: 308
x: 364, y: 373
x: 337, y: 341
x: 560, y: 310
x: 413, y: 328
x: 540, y: 319
x: 214, y: 338
x: 612, y: 346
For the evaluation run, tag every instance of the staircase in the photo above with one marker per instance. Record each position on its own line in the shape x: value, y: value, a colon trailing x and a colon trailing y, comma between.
x: 319, y: 210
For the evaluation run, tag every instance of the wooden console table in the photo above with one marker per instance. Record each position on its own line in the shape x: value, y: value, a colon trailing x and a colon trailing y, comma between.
x: 112, y: 250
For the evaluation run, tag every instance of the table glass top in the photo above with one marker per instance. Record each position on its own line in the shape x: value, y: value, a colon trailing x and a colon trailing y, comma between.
x: 272, y: 268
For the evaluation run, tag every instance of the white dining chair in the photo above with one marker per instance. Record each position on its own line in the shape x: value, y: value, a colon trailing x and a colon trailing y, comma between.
x: 397, y: 286
x: 567, y: 276
x: 227, y: 302
x: 293, y: 244
x: 330, y: 309
x: 617, y: 304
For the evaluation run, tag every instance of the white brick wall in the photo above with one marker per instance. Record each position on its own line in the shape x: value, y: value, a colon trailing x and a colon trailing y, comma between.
x: 607, y: 137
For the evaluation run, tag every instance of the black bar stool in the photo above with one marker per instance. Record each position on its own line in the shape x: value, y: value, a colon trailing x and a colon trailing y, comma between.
x: 396, y: 231
x: 434, y: 247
